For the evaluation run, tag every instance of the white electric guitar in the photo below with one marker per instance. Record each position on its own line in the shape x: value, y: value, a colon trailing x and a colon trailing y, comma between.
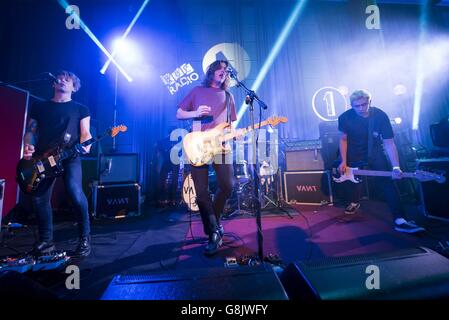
x: 201, y: 147
x: 351, y: 173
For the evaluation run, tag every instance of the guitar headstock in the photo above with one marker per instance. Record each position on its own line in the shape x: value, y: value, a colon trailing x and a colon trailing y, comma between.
x: 275, y: 120
x: 115, y: 130
x: 429, y: 176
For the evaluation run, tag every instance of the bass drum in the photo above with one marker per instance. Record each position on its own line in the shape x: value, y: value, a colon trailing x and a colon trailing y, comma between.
x: 189, y: 193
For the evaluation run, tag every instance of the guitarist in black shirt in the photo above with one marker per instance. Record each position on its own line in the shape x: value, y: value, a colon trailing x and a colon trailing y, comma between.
x: 367, y: 137
x: 51, y: 123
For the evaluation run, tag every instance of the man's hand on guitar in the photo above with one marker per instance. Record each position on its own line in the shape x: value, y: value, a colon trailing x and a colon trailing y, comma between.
x: 342, y: 168
x: 28, y: 151
x: 396, y: 173
x: 203, y: 111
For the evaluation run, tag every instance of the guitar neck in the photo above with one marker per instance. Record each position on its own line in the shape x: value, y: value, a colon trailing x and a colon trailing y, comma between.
x: 373, y: 173
x: 244, y: 131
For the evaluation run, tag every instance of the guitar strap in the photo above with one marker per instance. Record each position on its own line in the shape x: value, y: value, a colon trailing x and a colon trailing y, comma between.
x: 370, y: 135
x: 228, y: 108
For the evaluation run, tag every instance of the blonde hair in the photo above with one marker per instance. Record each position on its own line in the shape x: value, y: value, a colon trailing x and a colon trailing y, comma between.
x: 359, y: 94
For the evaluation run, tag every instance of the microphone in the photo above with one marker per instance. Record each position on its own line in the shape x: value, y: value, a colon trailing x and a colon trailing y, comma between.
x: 232, y: 72
x: 51, y: 77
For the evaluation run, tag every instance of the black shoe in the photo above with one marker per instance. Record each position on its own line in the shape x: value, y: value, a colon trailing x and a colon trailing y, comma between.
x: 220, y: 230
x: 43, y: 247
x: 352, y: 208
x: 408, y: 227
x: 214, y: 243
x: 84, y: 248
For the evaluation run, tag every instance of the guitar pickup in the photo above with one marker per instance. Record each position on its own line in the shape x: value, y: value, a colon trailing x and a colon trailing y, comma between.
x: 40, y: 166
x: 52, y: 161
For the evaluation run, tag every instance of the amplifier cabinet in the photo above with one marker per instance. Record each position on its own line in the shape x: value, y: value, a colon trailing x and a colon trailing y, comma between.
x: 303, y: 160
x: 435, y: 196
x: 115, y: 200
x: 308, y: 187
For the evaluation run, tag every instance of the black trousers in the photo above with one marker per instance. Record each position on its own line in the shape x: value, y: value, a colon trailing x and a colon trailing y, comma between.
x: 387, y: 185
x: 73, y: 183
x: 211, y: 211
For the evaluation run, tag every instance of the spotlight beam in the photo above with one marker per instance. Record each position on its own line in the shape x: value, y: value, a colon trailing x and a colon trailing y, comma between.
x: 86, y: 29
x: 274, y: 51
x: 131, y: 25
x: 420, y: 65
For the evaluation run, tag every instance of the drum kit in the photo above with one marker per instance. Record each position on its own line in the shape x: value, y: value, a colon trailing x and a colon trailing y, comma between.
x: 242, y: 200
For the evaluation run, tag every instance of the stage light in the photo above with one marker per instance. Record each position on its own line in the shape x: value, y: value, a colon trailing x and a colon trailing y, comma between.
x: 397, y: 120
x: 344, y: 90
x: 400, y: 89
x: 86, y: 29
x: 274, y: 51
x: 420, y: 65
x: 127, y: 52
x: 142, y: 7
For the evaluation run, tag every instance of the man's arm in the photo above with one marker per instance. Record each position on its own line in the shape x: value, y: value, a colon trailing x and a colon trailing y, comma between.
x: 184, y: 115
x: 30, y: 138
x: 343, y: 153
x: 85, y: 132
x: 392, y: 152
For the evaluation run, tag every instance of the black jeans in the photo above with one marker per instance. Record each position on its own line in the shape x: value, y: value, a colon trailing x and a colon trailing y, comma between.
x: 73, y: 183
x: 386, y: 184
x: 211, y: 211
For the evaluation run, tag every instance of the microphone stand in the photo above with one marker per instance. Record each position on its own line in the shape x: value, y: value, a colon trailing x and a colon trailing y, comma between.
x: 250, y: 101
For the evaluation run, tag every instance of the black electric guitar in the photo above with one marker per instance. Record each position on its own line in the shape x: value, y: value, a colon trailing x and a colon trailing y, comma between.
x: 30, y: 173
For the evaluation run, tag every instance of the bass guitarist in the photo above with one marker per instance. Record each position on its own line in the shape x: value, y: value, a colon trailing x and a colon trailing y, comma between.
x: 212, y: 104
x: 366, y: 136
x: 51, y: 123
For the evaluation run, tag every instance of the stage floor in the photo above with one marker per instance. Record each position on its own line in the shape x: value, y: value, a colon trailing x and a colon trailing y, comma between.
x: 172, y: 239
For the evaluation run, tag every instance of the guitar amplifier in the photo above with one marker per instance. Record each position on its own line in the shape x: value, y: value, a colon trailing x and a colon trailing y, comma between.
x: 118, y: 168
x: 115, y: 200
x: 303, y: 155
x: 435, y: 196
x: 308, y: 187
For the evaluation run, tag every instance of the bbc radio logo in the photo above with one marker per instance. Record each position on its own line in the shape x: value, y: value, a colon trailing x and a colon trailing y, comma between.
x: 182, y: 76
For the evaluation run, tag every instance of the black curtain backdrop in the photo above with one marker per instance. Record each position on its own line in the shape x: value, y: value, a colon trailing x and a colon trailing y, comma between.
x: 328, y: 46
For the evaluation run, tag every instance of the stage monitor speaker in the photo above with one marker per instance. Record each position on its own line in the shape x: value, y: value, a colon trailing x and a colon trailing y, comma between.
x: 239, y: 283
x: 434, y: 196
x: 118, y: 168
x: 415, y: 273
x: 17, y: 286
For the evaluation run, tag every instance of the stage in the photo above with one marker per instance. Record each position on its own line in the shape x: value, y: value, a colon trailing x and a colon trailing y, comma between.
x: 171, y: 240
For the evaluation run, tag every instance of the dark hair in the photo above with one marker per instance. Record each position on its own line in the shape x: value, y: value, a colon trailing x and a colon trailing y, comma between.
x: 67, y: 74
x: 209, y: 77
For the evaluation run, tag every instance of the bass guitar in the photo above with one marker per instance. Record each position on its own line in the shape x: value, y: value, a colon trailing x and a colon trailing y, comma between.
x: 30, y: 173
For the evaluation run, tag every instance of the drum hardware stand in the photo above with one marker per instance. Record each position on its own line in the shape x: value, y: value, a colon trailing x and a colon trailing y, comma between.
x: 239, y: 211
x: 276, y: 203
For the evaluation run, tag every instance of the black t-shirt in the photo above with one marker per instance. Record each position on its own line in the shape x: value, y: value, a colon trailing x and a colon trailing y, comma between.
x: 356, y: 129
x: 54, y: 120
